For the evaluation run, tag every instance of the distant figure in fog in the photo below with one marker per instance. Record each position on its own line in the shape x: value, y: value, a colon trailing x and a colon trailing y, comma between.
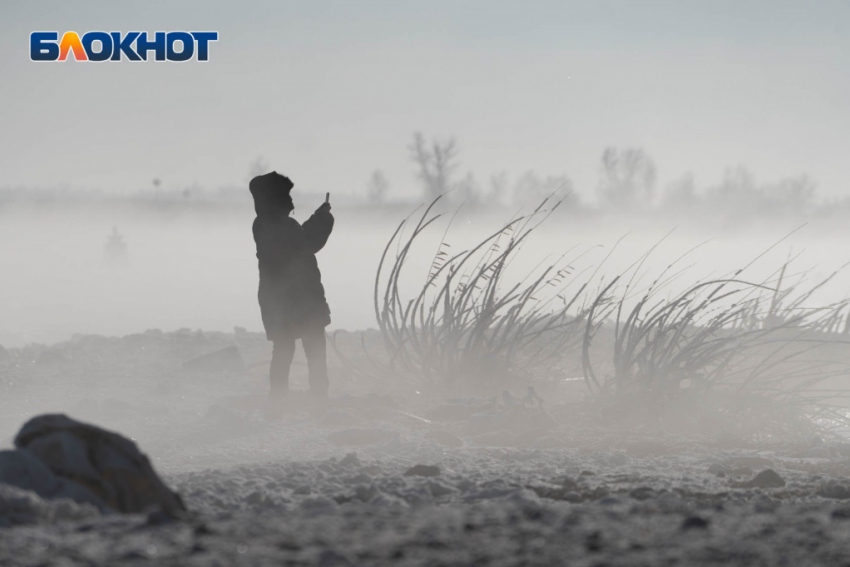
x: 115, y: 249
x: 292, y: 298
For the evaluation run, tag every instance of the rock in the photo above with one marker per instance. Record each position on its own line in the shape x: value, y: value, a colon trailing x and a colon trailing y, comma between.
x: 350, y: 460
x: 438, y: 489
x: 97, y: 461
x: 445, y: 438
x: 718, y: 469
x: 23, y: 470
x: 21, y: 507
x: 226, y: 359
x: 360, y: 436
x: 609, y: 501
x: 834, y: 489
x: 768, y: 478
x: 554, y: 492
x: 764, y: 504
x: 423, y: 470
x: 841, y: 513
x: 642, y: 493
x: 318, y: 505
x: 694, y: 522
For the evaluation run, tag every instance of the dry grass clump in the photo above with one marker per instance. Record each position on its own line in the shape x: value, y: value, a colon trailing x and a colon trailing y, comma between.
x: 747, y: 358
x: 469, y: 322
x: 726, y: 356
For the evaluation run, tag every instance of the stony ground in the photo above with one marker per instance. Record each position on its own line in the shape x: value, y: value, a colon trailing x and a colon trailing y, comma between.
x: 502, y: 484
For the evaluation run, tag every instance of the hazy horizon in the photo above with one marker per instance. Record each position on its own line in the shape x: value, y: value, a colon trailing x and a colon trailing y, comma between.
x: 328, y: 92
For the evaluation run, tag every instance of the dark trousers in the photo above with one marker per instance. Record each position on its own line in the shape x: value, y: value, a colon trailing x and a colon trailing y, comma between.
x: 315, y: 347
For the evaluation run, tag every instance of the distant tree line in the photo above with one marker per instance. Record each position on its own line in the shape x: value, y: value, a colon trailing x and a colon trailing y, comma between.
x: 627, y: 184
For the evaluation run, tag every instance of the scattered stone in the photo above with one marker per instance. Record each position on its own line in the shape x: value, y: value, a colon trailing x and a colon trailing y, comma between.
x: 609, y: 501
x: 694, y: 523
x: 764, y: 504
x: 438, y: 489
x: 556, y: 492
x: 768, y: 478
x: 841, y: 513
x: 350, y: 460
x: 642, y: 493
x: 718, y: 469
x: 587, y: 473
x: 834, y: 489
x: 226, y: 359
x: 445, y: 438
x: 593, y: 542
x: 423, y: 470
x: 94, y: 460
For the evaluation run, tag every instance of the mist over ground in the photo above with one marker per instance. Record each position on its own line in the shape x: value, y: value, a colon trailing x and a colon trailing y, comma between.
x: 587, y: 283
x: 190, y: 262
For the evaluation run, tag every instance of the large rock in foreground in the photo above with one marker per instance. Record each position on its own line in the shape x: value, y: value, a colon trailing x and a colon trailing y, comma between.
x: 87, y: 464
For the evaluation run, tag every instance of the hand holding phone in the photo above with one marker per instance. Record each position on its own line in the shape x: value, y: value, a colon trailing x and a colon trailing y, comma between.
x: 326, y: 206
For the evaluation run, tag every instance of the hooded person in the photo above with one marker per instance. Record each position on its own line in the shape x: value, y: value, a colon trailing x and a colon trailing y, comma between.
x: 291, y: 295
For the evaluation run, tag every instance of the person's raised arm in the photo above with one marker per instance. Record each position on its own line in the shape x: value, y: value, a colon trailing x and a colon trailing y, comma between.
x: 317, y: 229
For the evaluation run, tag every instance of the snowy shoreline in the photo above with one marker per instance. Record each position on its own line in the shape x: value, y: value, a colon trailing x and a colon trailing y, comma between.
x: 515, y: 486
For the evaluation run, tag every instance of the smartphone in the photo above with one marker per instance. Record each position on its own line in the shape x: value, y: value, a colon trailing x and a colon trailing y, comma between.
x: 327, y: 197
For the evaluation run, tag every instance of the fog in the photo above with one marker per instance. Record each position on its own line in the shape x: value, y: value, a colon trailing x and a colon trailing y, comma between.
x: 193, y: 264
x: 621, y: 338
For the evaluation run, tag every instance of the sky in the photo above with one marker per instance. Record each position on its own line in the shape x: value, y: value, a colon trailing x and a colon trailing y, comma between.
x: 327, y: 92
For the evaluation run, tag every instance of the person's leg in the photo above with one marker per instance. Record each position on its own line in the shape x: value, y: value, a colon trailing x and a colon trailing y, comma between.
x: 315, y: 347
x: 282, y: 354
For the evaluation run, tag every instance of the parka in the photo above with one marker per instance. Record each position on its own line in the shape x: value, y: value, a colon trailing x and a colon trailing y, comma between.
x: 291, y: 293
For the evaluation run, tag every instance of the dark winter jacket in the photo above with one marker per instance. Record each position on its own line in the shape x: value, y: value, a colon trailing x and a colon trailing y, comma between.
x: 291, y: 293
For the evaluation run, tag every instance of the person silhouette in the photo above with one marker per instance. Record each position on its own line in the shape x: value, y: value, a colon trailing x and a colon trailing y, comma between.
x: 291, y: 295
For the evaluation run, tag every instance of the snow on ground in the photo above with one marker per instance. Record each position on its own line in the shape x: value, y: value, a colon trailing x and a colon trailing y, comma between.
x: 331, y: 486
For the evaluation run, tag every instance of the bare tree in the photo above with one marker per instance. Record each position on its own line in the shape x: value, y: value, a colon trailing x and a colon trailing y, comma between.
x: 436, y: 164
x: 530, y: 189
x: 681, y: 195
x: 377, y: 187
x: 628, y: 178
